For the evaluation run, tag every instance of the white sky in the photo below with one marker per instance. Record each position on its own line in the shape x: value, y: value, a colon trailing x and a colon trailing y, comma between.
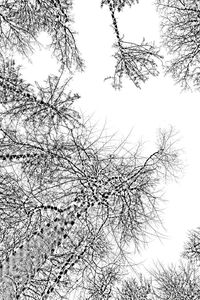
x: 157, y: 105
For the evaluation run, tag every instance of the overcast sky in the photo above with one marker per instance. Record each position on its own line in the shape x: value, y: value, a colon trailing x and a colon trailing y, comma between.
x: 157, y: 105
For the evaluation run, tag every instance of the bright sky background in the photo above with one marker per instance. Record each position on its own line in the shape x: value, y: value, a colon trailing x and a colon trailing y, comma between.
x: 157, y: 105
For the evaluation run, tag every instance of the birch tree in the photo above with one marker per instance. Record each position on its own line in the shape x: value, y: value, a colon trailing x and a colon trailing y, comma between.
x: 135, y: 61
x: 22, y: 21
x: 70, y: 202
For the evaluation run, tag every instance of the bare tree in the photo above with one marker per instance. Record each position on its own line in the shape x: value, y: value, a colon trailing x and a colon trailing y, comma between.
x: 192, y: 246
x: 180, y: 282
x: 108, y: 283
x: 180, y: 36
x: 135, y: 289
x: 101, y: 283
x: 69, y: 204
x: 177, y: 282
x: 136, y: 61
x: 22, y: 21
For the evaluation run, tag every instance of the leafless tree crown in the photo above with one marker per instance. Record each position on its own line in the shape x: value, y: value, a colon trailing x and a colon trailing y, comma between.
x: 135, y: 61
x: 69, y: 205
x: 180, y: 27
x: 22, y: 21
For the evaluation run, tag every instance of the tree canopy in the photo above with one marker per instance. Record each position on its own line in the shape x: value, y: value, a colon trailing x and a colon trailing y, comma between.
x: 180, y: 36
x: 136, y: 61
x: 71, y: 200
x: 22, y: 21
x: 69, y: 205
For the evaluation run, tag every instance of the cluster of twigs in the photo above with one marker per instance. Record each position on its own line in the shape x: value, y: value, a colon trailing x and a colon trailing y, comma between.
x: 136, y: 61
x: 22, y: 21
x: 180, y: 27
